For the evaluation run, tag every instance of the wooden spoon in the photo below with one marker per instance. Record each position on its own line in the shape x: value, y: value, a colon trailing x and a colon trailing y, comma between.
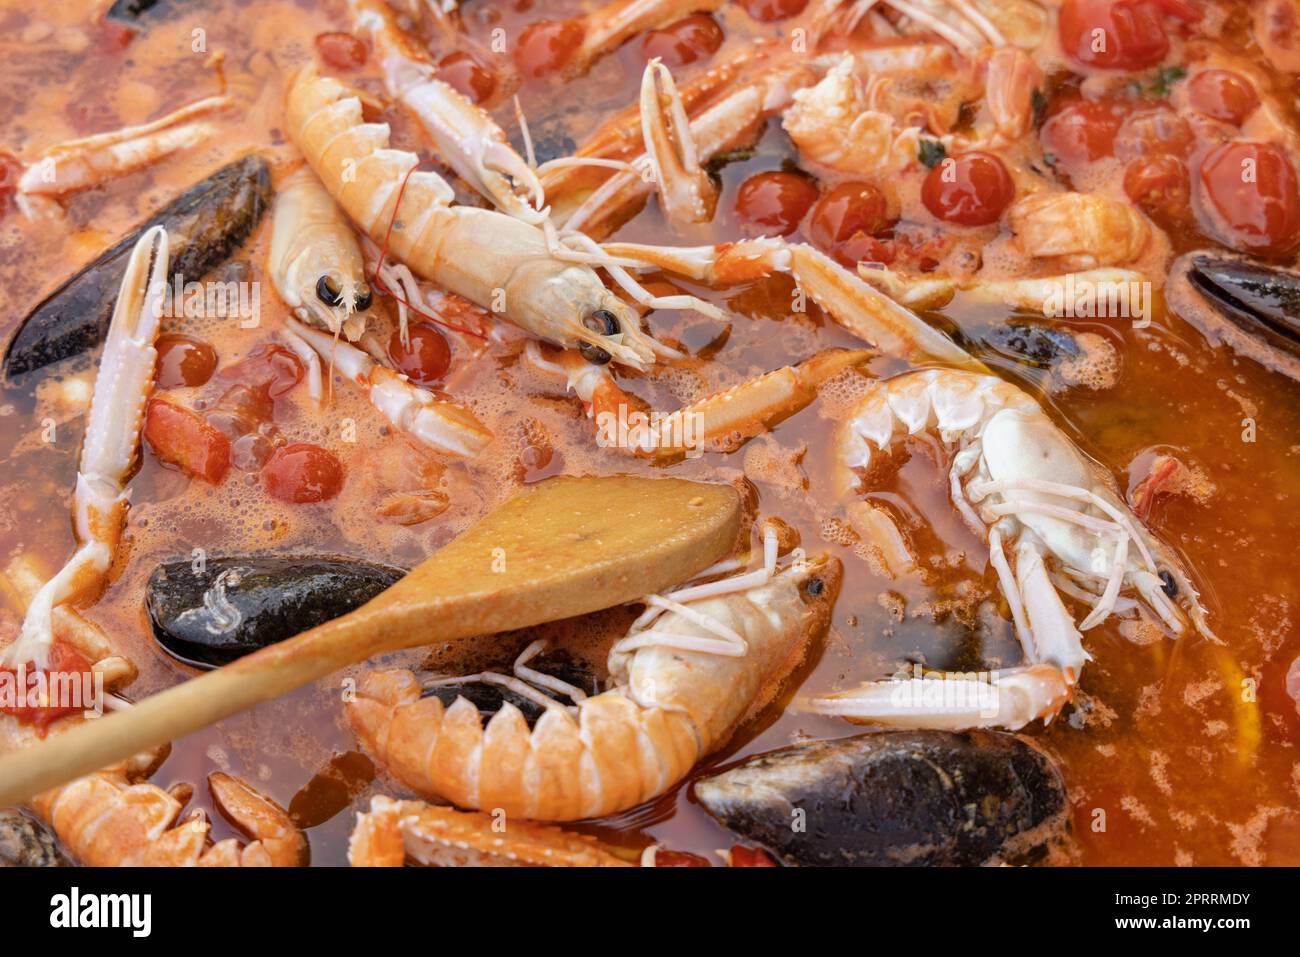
x: 565, y: 547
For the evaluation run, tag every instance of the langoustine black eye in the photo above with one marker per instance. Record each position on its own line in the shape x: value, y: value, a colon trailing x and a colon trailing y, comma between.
x: 326, y: 292
x: 605, y: 323
x: 364, y: 300
x: 1168, y: 585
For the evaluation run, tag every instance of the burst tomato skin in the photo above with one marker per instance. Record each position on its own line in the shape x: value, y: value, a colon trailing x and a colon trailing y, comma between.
x: 271, y: 369
x: 1222, y: 95
x: 546, y: 46
x: 742, y: 856
x: 1083, y: 131
x: 1250, y: 196
x: 183, y: 361
x: 692, y: 38
x: 302, y: 474
x: 342, y: 51
x: 181, y: 437
x: 1113, y: 34
x: 769, y: 10
x: 971, y: 189
x: 66, y: 665
x: 1161, y: 186
x: 846, y: 221
x: 775, y: 202
x: 466, y: 75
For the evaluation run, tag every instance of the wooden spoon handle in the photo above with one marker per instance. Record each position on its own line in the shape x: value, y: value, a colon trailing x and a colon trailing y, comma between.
x: 180, y: 710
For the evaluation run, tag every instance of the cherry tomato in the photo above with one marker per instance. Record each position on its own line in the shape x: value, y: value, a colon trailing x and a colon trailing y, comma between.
x: 63, y: 660
x: 464, y: 73
x: 1113, y: 34
x: 1157, y: 130
x: 114, y: 37
x: 182, y: 437
x: 774, y: 203
x: 1083, y: 131
x: 342, y: 51
x: 845, y: 221
x: 1222, y: 95
x: 971, y: 189
x: 302, y: 474
x: 271, y: 368
x: 1250, y: 192
x: 750, y: 857
x: 1160, y: 185
x: 545, y: 46
x: 183, y: 361
x: 679, y: 859
x: 426, y: 360
x: 689, y: 39
x: 769, y: 10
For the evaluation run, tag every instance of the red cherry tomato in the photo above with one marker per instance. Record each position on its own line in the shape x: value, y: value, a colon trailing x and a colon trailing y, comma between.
x: 1250, y: 194
x: 845, y: 221
x: 183, y: 361
x: 342, y: 51
x: 63, y: 660
x: 750, y: 857
x: 774, y: 203
x: 182, y: 437
x: 464, y: 73
x: 679, y: 859
x: 689, y: 39
x: 1157, y: 130
x: 1083, y: 131
x: 1222, y: 95
x: 1160, y: 185
x: 545, y: 46
x: 302, y: 474
x: 427, y: 357
x: 1113, y: 34
x: 769, y: 10
x: 971, y: 189
x: 273, y: 369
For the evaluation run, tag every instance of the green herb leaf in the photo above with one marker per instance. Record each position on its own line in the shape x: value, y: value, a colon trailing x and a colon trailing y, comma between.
x: 1165, y: 78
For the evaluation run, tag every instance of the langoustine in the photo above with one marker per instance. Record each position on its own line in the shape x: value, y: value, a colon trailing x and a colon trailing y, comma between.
x: 1022, y: 486
x: 700, y: 661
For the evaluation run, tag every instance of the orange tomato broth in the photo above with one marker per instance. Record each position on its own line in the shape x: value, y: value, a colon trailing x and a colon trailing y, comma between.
x: 1162, y: 743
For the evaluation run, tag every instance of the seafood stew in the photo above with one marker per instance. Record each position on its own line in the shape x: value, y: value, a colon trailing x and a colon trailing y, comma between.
x: 986, y: 308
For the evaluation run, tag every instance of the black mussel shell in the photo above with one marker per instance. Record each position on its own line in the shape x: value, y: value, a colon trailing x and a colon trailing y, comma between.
x: 1260, y: 300
x: 1035, y: 344
x: 489, y: 698
x: 229, y: 607
x: 205, y: 225
x: 896, y: 798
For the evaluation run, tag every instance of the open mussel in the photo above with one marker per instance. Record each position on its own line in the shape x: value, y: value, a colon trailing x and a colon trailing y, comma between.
x: 208, y: 614
x: 899, y: 798
x: 205, y: 224
x: 1033, y: 343
x: 1249, y: 306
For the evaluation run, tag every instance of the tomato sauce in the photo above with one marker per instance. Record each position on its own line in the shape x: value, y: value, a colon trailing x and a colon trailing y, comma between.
x: 1174, y: 752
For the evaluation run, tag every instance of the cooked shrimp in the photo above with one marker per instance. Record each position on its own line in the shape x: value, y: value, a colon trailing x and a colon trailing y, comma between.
x: 1086, y: 230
